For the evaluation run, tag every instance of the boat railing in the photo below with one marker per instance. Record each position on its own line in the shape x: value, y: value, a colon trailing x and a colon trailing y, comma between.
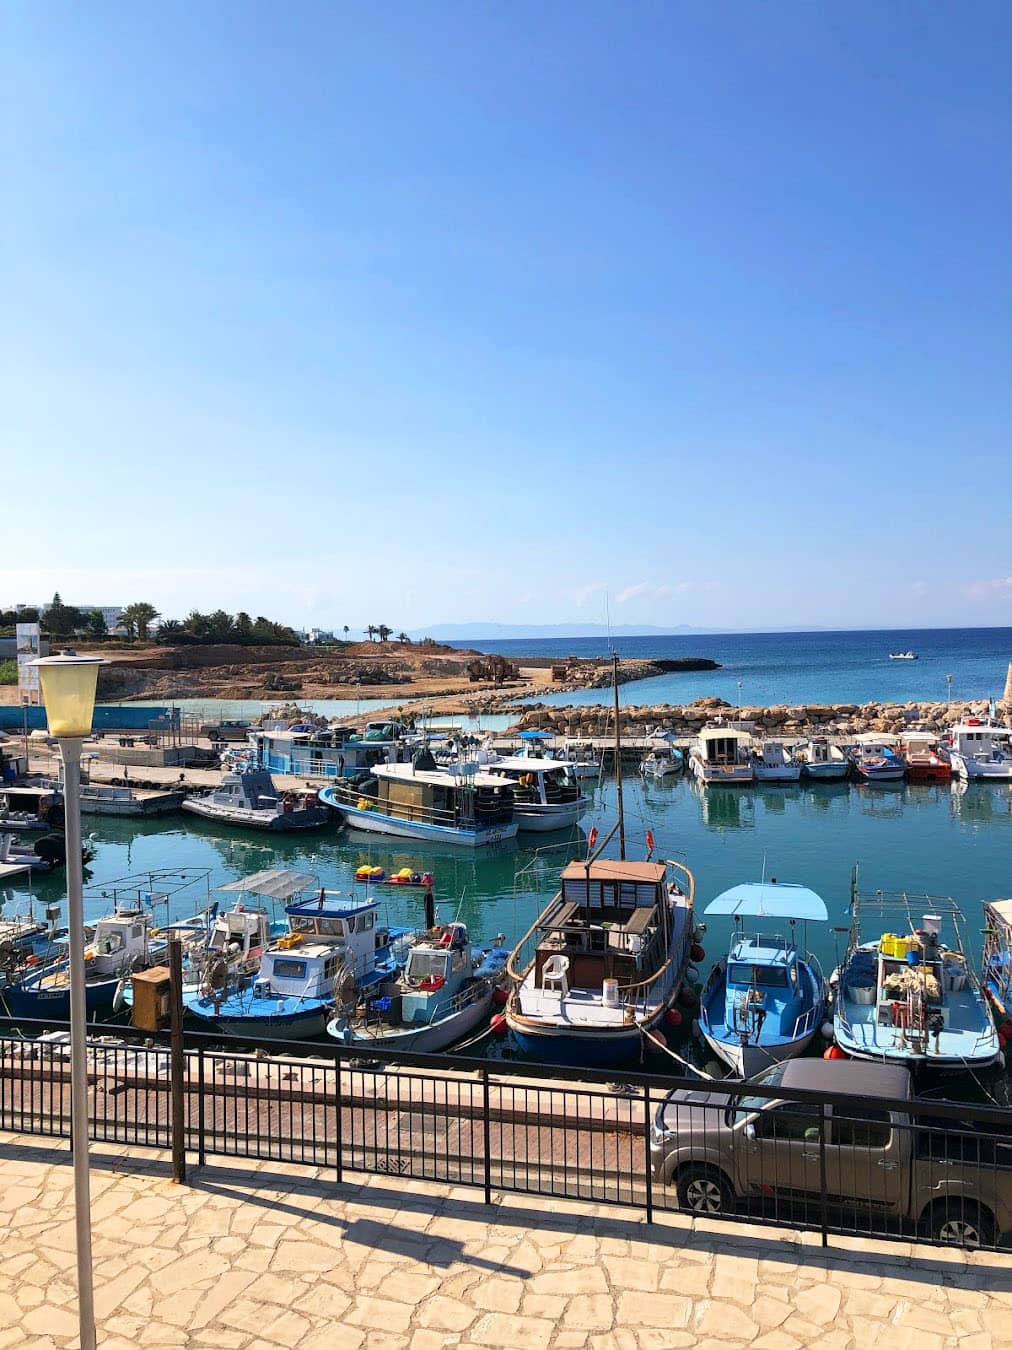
x: 345, y: 793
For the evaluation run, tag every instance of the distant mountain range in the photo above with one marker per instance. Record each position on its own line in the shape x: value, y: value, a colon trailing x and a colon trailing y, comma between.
x: 491, y: 632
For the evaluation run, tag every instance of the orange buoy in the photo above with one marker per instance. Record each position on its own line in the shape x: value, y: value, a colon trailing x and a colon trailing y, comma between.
x: 696, y: 952
x: 498, y: 1024
x: 674, y: 1017
x: 499, y: 997
x: 833, y: 1052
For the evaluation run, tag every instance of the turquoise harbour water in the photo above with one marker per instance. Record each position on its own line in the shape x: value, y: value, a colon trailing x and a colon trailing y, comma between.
x: 942, y: 841
x: 850, y: 667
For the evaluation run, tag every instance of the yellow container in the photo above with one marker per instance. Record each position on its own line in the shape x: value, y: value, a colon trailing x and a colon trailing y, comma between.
x: 887, y: 944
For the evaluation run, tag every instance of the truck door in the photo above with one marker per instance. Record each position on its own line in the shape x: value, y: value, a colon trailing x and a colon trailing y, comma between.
x: 781, y: 1153
x: 864, y: 1159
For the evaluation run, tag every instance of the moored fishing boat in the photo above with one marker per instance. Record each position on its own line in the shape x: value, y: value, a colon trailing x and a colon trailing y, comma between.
x: 443, y: 993
x: 765, y: 1000
x: 602, y: 963
x: 334, y: 947
x: 907, y: 995
x: 875, y: 762
x: 997, y: 962
x: 462, y: 804
x: 926, y: 761
x: 822, y: 761
x: 251, y: 799
x: 546, y: 796
x: 981, y: 749
x: 773, y: 762
x: 722, y: 755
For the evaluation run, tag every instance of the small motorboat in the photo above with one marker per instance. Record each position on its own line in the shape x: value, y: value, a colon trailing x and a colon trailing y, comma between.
x: 45, y: 854
x: 766, y: 999
x: 722, y: 755
x: 926, y: 761
x: 250, y: 798
x: 773, y: 762
x: 444, y: 993
x: 822, y: 761
x: 663, y: 762
x: 903, y: 656
x: 877, y: 763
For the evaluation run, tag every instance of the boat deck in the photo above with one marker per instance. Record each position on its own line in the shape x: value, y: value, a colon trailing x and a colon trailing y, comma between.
x: 969, y: 1033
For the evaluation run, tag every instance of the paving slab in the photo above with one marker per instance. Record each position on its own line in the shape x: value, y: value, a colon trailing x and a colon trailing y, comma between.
x: 259, y: 1256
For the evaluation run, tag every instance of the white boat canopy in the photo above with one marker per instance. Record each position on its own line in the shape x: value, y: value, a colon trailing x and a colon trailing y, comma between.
x: 1001, y: 909
x: 769, y: 900
x: 277, y: 883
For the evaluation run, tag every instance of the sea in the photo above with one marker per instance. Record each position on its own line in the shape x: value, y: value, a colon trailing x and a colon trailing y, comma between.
x: 925, y: 841
x: 793, y: 668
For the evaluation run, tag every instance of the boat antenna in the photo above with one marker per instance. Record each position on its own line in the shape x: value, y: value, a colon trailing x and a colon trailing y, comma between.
x: 618, y: 761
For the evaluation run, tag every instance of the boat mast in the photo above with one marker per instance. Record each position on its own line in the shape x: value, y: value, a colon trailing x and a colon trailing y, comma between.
x: 618, y: 761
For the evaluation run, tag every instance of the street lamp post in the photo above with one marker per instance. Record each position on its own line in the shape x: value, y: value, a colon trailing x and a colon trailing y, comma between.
x: 948, y: 693
x: 739, y: 700
x: 68, y: 691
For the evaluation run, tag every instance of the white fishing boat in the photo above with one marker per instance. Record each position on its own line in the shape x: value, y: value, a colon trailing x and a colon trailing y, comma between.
x: 664, y: 762
x: 460, y: 804
x: 773, y: 762
x: 981, y: 749
x: 444, y: 993
x: 722, y: 755
x: 545, y: 794
x: 822, y: 761
x: 251, y: 799
x: 903, y: 656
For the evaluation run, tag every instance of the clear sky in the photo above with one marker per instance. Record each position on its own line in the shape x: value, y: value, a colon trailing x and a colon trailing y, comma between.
x: 421, y: 312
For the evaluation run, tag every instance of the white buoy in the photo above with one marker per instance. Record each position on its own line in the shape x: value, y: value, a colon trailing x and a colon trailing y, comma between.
x: 691, y: 974
x: 827, y: 1030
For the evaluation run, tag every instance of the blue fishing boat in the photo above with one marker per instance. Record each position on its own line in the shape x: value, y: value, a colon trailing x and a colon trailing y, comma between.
x: 907, y: 995
x: 997, y: 966
x: 334, y: 947
x: 602, y: 964
x: 765, y: 1000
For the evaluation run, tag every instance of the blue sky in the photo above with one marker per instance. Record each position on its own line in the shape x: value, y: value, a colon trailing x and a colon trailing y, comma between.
x: 439, y: 312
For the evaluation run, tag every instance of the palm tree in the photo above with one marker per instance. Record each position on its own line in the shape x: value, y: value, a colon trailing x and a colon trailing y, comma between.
x: 347, y: 630
x: 384, y: 631
x: 371, y: 630
x: 137, y: 617
x: 403, y: 637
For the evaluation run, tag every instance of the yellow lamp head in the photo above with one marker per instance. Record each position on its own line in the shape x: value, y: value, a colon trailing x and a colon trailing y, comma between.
x: 68, y: 691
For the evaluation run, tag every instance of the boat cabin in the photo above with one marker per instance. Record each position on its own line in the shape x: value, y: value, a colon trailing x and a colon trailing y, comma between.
x: 348, y: 927
x: 463, y: 798
x: 239, y: 932
x: 762, y: 978
x: 975, y: 739
x: 436, y: 970
x: 310, y: 971
x: 610, y: 921
x: 120, y: 938
x: 724, y: 745
x: 536, y: 781
x: 337, y: 753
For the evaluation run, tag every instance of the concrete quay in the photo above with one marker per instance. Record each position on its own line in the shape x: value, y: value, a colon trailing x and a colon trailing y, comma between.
x: 259, y: 1256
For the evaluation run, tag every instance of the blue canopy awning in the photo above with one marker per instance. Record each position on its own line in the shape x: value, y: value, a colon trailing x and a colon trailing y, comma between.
x: 536, y: 735
x: 769, y: 900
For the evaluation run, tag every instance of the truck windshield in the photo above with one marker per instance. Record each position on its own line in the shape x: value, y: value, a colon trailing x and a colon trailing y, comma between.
x: 742, y: 1107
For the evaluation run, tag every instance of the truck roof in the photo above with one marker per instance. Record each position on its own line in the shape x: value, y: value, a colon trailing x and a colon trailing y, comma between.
x: 854, y: 1077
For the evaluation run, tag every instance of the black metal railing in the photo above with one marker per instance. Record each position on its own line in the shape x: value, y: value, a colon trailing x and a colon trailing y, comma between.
x: 836, y: 1163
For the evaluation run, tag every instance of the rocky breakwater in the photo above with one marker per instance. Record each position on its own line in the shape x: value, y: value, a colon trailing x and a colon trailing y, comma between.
x: 839, y: 720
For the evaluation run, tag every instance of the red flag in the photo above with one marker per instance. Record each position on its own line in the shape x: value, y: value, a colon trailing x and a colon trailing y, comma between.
x: 592, y: 838
x: 650, y: 841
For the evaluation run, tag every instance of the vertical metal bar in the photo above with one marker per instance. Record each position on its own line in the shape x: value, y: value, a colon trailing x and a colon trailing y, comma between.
x: 201, y: 1142
x: 177, y: 1127
x: 70, y: 748
x: 486, y: 1121
x: 339, y: 1096
x: 646, y: 1154
x: 823, y: 1203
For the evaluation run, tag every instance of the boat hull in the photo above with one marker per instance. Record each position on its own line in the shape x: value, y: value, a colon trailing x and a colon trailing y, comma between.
x: 32, y: 1002
x: 307, y: 1022
x: 710, y: 775
x: 789, y: 773
x: 424, y: 1039
x: 996, y: 770
x: 542, y: 819
x: 375, y: 823
x: 825, y: 773
x: 594, y: 1048
x: 313, y: 818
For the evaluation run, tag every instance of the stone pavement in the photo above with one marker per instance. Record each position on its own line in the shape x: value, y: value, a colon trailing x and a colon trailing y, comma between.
x: 248, y: 1257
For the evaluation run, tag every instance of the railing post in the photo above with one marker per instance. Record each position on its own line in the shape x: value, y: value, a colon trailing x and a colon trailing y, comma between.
x: 823, y: 1202
x: 176, y: 1057
x: 339, y: 1131
x: 201, y: 1146
x: 486, y: 1121
x: 646, y: 1155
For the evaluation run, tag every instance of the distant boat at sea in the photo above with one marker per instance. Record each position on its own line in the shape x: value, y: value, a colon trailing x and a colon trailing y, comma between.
x: 903, y: 656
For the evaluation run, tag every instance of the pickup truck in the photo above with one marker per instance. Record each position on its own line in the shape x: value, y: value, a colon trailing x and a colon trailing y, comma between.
x: 721, y: 1150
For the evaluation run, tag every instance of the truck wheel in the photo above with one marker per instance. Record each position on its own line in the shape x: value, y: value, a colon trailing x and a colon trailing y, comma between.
x: 703, y: 1190
x: 960, y: 1223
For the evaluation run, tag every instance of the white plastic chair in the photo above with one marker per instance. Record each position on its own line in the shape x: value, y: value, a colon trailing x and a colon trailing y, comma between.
x: 554, y: 974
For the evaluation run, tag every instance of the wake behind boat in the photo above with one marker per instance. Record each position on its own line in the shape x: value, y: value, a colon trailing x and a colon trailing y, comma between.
x: 765, y: 1000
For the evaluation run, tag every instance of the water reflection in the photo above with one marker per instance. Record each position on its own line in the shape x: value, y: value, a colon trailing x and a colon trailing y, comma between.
x: 990, y: 802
